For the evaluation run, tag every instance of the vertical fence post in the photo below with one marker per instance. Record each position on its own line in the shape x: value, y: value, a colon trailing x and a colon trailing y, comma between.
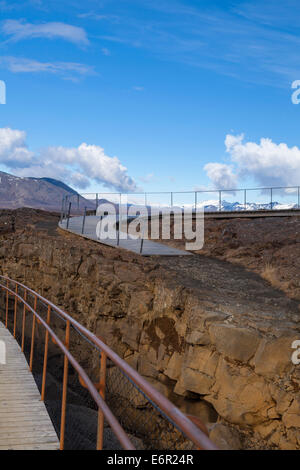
x: 145, y: 199
x: 100, y: 229
x: 6, y: 312
x: 220, y: 201
x: 118, y: 235
x: 142, y: 244
x: 32, y: 335
x: 83, y: 221
x: 120, y: 212
x: 171, y: 199
x: 65, y: 386
x: 66, y: 205
x: 102, y: 384
x: 15, y: 311
x: 97, y: 202
x: 69, y: 212
x: 45, y: 356
x: 62, y: 209
x: 298, y: 197
x: 24, y: 320
x: 245, y: 199
x: 196, y: 201
x: 78, y: 202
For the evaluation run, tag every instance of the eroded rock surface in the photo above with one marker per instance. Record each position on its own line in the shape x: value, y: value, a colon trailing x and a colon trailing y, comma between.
x: 213, y: 337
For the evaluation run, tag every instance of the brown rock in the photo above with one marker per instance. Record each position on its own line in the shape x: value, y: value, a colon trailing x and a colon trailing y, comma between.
x: 196, y: 381
x: 173, y: 370
x: 198, y: 337
x: 225, y: 438
x: 237, y: 343
x: 239, y: 395
x: 202, y: 360
x: 291, y: 417
x: 273, y: 357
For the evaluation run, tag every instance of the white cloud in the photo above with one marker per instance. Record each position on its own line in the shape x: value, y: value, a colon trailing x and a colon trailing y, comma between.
x: 267, y: 163
x: 13, y: 150
x: 93, y: 162
x: 221, y: 175
x: 19, y: 30
x: 24, y: 65
x: 77, y: 166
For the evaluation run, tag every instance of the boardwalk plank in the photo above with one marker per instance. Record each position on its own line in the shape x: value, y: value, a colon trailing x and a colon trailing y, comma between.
x: 24, y: 421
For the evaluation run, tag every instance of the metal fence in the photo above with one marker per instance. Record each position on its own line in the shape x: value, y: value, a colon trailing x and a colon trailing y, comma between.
x: 221, y: 200
x: 94, y: 398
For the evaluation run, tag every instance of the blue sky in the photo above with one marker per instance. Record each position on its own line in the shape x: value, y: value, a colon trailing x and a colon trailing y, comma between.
x: 151, y: 95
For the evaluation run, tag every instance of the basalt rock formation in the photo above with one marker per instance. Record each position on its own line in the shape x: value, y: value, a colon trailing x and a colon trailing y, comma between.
x: 213, y: 337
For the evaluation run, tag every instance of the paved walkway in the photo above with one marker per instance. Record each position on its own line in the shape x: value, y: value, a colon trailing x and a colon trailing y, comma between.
x: 149, y: 248
x: 24, y: 421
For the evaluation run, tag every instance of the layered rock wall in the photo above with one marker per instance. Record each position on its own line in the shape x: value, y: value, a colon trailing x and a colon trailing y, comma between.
x: 196, y: 352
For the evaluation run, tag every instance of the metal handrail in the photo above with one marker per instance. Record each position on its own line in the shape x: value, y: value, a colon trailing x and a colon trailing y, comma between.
x: 171, y: 412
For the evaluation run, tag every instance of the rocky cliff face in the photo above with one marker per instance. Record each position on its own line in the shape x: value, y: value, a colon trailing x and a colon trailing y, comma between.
x: 215, y: 340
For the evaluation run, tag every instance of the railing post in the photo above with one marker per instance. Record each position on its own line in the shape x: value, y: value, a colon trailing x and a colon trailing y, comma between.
x: 142, y: 243
x: 83, y: 221
x: 97, y: 202
x: 78, y: 202
x: 62, y: 209
x: 271, y: 198
x: 298, y: 197
x: 45, y: 356
x: 24, y: 320
x: 196, y: 201
x: 64, y: 393
x: 102, y: 384
x: 32, y: 335
x: 145, y: 199
x: 220, y: 201
x: 100, y: 229
x: 245, y: 199
x: 6, y: 312
x: 69, y: 212
x: 15, y: 311
x: 171, y: 199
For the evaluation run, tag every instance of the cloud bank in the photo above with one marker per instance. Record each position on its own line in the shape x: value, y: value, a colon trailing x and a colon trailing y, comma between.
x: 65, y: 69
x: 267, y: 163
x: 77, y: 166
x: 19, y: 30
x: 221, y: 175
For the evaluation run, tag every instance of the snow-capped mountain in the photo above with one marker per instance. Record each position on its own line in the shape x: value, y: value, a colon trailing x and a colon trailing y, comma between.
x: 213, y: 206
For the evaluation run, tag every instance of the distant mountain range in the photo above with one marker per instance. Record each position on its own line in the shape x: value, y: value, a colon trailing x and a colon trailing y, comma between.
x: 47, y: 194
x: 38, y: 193
x: 213, y: 206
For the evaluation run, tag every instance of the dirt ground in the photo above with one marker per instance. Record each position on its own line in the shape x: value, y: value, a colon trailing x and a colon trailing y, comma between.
x: 239, y: 260
x: 269, y: 247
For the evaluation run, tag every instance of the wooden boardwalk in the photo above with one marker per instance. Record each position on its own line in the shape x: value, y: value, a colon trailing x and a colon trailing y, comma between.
x: 149, y: 248
x: 24, y: 421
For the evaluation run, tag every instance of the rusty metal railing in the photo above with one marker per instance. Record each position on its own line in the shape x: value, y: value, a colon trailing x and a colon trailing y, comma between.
x: 190, y: 428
